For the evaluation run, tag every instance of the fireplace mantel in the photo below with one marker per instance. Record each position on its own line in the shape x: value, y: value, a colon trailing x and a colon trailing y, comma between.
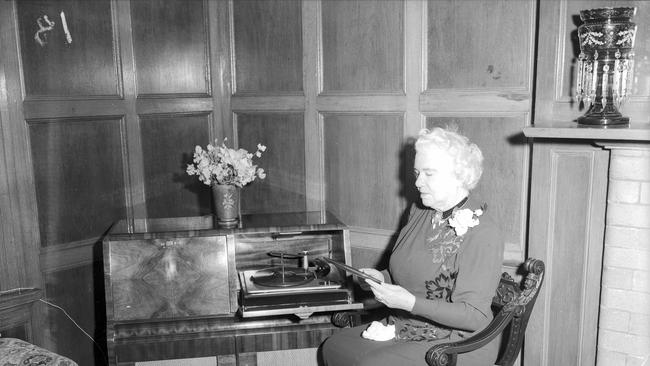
x: 571, y: 130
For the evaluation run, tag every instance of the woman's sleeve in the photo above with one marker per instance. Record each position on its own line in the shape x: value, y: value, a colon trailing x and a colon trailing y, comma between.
x: 479, y: 272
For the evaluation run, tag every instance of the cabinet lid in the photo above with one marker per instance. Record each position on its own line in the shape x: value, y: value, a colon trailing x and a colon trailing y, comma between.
x: 205, y: 225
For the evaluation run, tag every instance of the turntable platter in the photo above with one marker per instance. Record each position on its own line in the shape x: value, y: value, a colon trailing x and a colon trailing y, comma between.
x: 281, y: 277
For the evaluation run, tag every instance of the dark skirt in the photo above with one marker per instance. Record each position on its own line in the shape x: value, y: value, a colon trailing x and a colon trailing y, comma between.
x: 348, y: 348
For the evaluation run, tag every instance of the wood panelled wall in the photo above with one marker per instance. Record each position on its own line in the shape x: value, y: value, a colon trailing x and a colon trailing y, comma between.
x: 102, y: 128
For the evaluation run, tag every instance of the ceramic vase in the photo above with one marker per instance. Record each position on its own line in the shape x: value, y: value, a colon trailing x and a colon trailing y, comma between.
x: 605, y: 64
x: 226, y: 204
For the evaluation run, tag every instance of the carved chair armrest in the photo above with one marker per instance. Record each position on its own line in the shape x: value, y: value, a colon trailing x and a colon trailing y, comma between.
x: 445, y: 354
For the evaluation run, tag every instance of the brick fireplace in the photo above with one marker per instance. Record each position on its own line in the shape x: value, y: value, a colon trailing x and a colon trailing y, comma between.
x: 624, y: 319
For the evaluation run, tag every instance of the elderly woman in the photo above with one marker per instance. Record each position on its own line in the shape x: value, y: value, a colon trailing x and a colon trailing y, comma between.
x: 443, y: 270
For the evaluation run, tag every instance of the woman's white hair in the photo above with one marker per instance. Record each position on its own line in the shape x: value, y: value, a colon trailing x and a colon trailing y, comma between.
x: 467, y: 157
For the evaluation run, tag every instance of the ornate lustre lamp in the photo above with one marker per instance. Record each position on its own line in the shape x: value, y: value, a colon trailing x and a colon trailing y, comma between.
x: 605, y: 64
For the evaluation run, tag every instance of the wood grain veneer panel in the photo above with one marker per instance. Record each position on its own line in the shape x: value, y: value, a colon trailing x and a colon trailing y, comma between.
x: 79, y: 180
x: 167, y: 352
x: 478, y: 44
x: 362, y: 168
x: 268, y: 46
x: 169, y: 278
x: 295, y: 339
x: 505, y: 168
x: 283, y: 189
x: 85, y: 67
x: 168, y: 143
x: 170, y: 46
x: 363, y: 45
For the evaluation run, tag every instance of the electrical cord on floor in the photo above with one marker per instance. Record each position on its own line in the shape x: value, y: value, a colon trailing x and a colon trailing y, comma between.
x: 78, y: 326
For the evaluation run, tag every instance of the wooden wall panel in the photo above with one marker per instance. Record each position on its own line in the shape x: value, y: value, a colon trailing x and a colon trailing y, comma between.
x: 17, y: 315
x: 168, y: 143
x: 78, y: 171
x: 268, y: 46
x: 504, y: 183
x: 556, y: 76
x: 85, y: 66
x: 170, y: 46
x: 12, y: 256
x: 568, y: 240
x: 567, y: 218
x: 362, y: 168
x: 363, y: 46
x: 283, y: 190
x: 478, y: 44
x: 19, y: 238
x: 80, y: 291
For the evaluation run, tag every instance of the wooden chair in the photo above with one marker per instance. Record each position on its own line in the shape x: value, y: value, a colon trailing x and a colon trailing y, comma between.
x: 512, y: 305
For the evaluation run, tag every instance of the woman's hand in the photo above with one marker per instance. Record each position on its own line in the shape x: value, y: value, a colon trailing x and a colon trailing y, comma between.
x: 393, y: 296
x: 363, y: 283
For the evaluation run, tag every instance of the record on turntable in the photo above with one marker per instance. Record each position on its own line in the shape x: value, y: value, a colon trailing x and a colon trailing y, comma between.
x: 284, y: 280
x: 299, y: 288
x: 282, y: 277
x: 288, y: 279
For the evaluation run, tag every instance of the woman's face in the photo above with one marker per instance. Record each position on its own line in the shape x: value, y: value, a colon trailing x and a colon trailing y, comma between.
x: 436, y: 179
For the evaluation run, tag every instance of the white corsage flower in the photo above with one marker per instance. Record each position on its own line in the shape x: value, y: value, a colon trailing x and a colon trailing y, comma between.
x: 462, y: 220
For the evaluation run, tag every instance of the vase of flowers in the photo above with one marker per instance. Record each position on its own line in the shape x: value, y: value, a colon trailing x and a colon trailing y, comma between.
x: 226, y: 171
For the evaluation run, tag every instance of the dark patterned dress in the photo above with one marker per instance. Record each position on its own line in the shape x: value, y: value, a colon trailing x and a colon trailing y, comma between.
x: 453, y: 278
